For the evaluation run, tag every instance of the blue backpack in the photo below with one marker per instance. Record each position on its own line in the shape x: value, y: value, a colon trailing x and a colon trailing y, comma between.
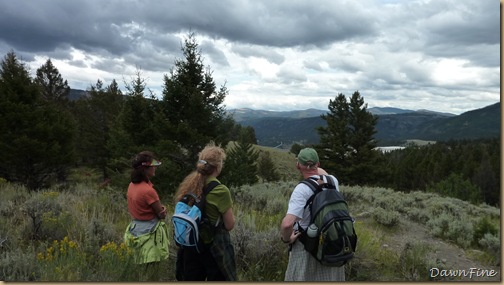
x: 189, y: 218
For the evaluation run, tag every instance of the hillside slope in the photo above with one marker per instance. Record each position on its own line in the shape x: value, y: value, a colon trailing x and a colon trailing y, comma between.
x: 391, y: 129
x: 475, y: 124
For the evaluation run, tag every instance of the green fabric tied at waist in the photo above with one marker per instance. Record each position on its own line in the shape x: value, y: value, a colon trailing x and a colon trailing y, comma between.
x: 151, y: 246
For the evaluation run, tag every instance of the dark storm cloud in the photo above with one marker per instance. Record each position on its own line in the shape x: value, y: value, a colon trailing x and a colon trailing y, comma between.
x: 46, y: 25
x: 215, y: 54
x: 387, y: 49
x: 90, y: 25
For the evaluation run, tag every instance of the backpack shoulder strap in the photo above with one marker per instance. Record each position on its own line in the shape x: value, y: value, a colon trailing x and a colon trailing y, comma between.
x: 314, y: 186
x: 209, y: 187
x: 330, y: 182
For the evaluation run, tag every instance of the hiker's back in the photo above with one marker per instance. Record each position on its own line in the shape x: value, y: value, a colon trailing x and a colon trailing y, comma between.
x: 190, y: 222
x: 330, y: 236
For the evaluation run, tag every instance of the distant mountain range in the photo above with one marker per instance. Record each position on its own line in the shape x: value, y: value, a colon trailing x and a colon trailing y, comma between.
x: 247, y: 114
x: 394, y: 125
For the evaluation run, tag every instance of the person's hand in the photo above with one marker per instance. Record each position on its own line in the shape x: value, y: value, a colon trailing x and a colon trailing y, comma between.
x: 294, y: 236
x: 162, y: 214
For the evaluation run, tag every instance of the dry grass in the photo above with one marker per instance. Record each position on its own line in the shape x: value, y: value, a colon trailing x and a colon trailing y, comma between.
x: 93, y: 220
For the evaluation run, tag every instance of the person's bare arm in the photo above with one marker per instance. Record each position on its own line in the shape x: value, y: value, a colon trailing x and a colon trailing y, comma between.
x: 286, y: 229
x: 228, y: 219
x: 159, y: 209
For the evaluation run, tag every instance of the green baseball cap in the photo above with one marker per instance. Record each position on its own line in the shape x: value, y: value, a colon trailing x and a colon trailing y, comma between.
x: 308, y: 155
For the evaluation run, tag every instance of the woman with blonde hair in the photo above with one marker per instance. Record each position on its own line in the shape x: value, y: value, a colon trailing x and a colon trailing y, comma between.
x: 215, y: 261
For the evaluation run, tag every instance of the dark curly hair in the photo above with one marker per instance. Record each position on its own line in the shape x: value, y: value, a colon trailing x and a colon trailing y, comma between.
x: 140, y: 163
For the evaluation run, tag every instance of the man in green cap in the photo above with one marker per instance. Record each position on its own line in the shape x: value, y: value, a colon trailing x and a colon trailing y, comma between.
x: 302, y: 265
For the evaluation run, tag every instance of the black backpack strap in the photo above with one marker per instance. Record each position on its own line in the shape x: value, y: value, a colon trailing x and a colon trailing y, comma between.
x: 209, y: 187
x: 314, y: 186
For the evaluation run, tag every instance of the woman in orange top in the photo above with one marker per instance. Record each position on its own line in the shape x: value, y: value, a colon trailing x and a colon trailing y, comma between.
x: 143, y: 200
x: 147, y: 234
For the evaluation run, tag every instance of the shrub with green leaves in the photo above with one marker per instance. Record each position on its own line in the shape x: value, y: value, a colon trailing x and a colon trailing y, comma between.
x: 482, y: 227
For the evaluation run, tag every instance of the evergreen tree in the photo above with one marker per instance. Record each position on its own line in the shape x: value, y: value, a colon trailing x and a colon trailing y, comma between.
x: 133, y: 129
x: 488, y: 182
x: 363, y: 158
x: 193, y: 104
x: 36, y: 140
x: 248, y: 135
x: 139, y: 126
x: 96, y: 113
x: 296, y: 148
x: 467, y: 170
x: 333, y: 147
x: 241, y: 164
x: 54, y: 91
x: 266, y: 168
x: 53, y: 88
x: 346, y: 143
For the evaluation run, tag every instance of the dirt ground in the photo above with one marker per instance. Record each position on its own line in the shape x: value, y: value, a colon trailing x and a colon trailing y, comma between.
x: 448, y: 255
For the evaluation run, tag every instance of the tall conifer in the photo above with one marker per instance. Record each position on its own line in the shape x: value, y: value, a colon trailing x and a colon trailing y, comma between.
x: 193, y: 104
x: 36, y: 139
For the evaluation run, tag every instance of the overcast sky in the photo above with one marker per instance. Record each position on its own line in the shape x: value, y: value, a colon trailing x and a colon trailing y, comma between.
x: 441, y: 55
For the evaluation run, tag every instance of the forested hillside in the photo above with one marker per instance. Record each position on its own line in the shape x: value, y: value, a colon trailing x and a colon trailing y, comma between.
x: 391, y: 129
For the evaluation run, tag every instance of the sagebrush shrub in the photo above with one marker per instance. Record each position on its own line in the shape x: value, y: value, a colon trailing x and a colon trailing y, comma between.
x: 18, y: 265
x: 456, y: 229
x: 413, y: 262
x: 418, y: 215
x: 43, y: 212
x: 492, y: 244
x: 388, y: 218
x: 439, y: 224
x: 461, y: 232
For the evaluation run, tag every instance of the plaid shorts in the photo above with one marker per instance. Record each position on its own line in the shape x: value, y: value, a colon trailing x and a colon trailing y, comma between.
x: 304, y: 267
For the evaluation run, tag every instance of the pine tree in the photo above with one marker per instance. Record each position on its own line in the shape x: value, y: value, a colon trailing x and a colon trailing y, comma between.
x: 54, y: 91
x: 334, y: 147
x: 53, y: 88
x: 296, y: 148
x: 193, y: 104
x: 241, y: 163
x: 36, y: 141
x: 266, y: 168
x: 347, y: 145
x: 363, y: 157
x: 96, y: 113
x: 133, y: 129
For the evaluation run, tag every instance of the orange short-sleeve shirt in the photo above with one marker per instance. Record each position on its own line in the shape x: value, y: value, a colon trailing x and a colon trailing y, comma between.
x: 140, y: 198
